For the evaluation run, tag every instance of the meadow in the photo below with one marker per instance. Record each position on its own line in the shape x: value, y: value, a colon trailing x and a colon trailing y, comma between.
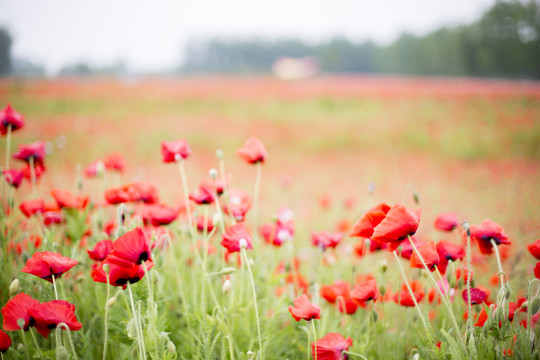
x: 335, y: 147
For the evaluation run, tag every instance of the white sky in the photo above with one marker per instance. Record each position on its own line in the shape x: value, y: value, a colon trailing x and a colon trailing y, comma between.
x: 150, y: 34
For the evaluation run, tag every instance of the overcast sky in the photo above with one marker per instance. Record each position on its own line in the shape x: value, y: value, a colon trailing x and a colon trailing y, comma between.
x: 150, y: 34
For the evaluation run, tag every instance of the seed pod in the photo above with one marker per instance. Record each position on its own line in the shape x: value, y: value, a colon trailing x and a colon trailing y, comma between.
x: 111, y: 302
x: 171, y: 347
x: 375, y: 316
x: 216, y: 220
x: 227, y: 271
x: 383, y: 266
x: 61, y: 353
x: 219, y: 153
x: 213, y: 173
x: 14, y: 287
x: 227, y: 287
x: 382, y: 289
x: 535, y: 305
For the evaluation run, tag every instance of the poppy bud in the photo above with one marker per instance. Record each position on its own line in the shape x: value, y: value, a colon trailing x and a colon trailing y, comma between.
x: 20, y: 348
x: 111, y: 302
x: 213, y: 173
x: 227, y: 287
x: 535, y: 305
x: 14, y: 287
x: 106, y: 268
x: 227, y: 271
x: 216, y: 220
x: 466, y: 227
x: 20, y: 323
x: 416, y: 356
x: 383, y: 266
x: 100, y: 168
x: 382, y: 289
x: 171, y: 347
x: 371, y: 188
x: 121, y: 212
x: 375, y: 316
x: 61, y: 353
x: 219, y: 153
x: 416, y: 198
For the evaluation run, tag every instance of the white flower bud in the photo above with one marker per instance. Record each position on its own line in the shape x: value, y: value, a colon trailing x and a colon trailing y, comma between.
x: 111, y: 302
x: 213, y: 173
x: 243, y: 243
x: 14, y: 287
x: 226, y: 287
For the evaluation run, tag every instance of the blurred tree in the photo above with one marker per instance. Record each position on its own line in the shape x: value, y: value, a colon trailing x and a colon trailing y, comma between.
x: 5, y: 52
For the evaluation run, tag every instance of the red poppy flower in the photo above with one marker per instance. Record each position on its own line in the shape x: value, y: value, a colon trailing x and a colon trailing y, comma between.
x: 115, y: 162
x: 218, y: 185
x: 39, y: 170
x: 17, y: 308
x: 120, y: 271
x: 158, y: 214
x: 304, y: 309
x: 94, y: 169
x: 5, y: 341
x: 232, y: 237
x: 346, y: 305
x: 65, y: 199
x: 365, y: 291
x: 477, y: 296
x: 8, y: 116
x: 277, y: 233
x: 115, y: 196
x: 253, y: 151
x: 404, y: 297
x: 199, y: 222
x: 204, y: 196
x: 52, y: 217
x: 534, y: 249
x: 46, y: 264
x: 31, y: 207
x: 49, y: 315
x: 13, y: 177
x: 373, y: 217
x: 174, y: 150
x: 144, y: 192
x: 446, y: 221
x: 331, y: 347
x: 399, y: 223
x: 428, y: 252
x: 325, y: 239
x: 537, y: 270
x: 133, y: 247
x: 101, y: 250
x: 407, y: 250
x: 35, y: 150
x: 485, y: 232
x: 239, y: 204
x: 298, y: 281
x: 447, y: 251
x: 482, y: 318
x: 338, y: 288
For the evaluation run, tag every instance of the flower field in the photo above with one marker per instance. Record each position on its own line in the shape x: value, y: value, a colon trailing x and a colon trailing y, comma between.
x: 223, y: 217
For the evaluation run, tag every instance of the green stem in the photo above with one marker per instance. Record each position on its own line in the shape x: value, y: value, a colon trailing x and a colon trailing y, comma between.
x: 499, y: 265
x: 443, y: 297
x: 35, y: 342
x: 33, y: 174
x: 354, y: 354
x: 25, y: 344
x: 469, y: 275
x: 411, y: 293
x: 140, y: 340
x: 106, y: 330
x: 529, y: 292
x: 54, y: 285
x: 66, y: 328
x: 315, y: 339
x: 308, y: 343
x: 256, y: 199
x: 187, y: 203
x: 244, y: 253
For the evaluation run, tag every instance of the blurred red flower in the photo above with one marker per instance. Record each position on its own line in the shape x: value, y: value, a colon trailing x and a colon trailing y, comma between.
x: 174, y: 151
x: 132, y: 247
x: 35, y: 150
x: 331, y: 347
x: 52, y: 217
x: 158, y: 214
x: 120, y: 272
x: 446, y: 221
x: 253, y: 151
x: 204, y: 196
x: 115, y: 162
x: 534, y: 249
x: 5, y: 341
x: 449, y: 251
x: 8, y: 116
x: 477, y: 296
x: 325, y: 240
x: 365, y: 291
x: 31, y: 207
x: 404, y: 297
x: 239, y: 204
x: 65, y: 199
x: 46, y: 264
x: 13, y: 177
x: 232, y: 237
x: 304, y: 309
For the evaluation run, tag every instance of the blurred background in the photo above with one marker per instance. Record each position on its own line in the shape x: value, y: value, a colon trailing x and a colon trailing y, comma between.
x: 293, y: 39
